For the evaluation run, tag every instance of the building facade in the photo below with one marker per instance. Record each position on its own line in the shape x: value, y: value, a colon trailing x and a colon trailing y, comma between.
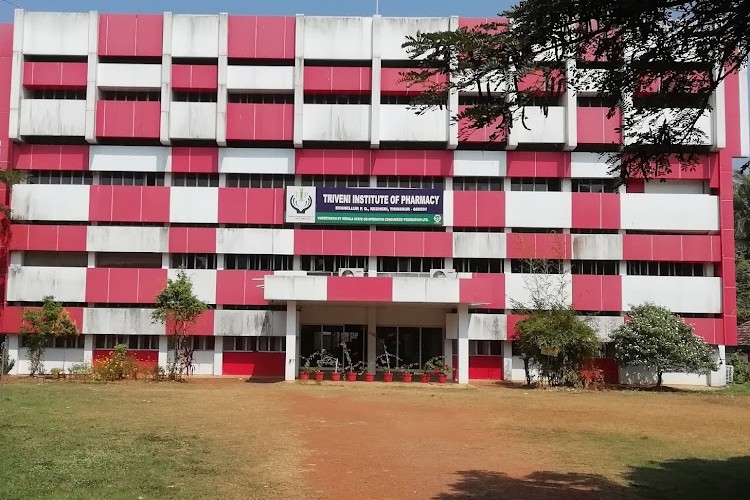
x: 254, y: 153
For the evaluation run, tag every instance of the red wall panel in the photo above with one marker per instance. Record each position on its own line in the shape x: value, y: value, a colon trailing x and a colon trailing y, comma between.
x: 128, y: 286
x: 391, y: 82
x: 704, y: 169
x: 186, y: 159
x: 485, y: 289
x: 48, y: 238
x: 495, y: 132
x: 407, y: 162
x: 51, y: 157
x: 254, y: 364
x: 129, y: 204
x: 537, y: 82
x: 709, y: 329
x: 338, y: 80
x: 594, y: 127
x: 128, y: 119
x: 54, y: 75
x: 353, y: 289
x: 144, y: 358
x: 12, y: 317
x: 596, y: 210
x: 513, y: 320
x: 195, y: 77
x: 538, y: 164
x: 485, y: 367
x: 478, y: 209
x: 203, y: 326
x: 240, y: 287
x: 261, y: 37
x: 308, y: 242
x: 260, y: 122
x: 125, y: 35
x: 251, y: 206
x: 539, y: 246
x: 332, y: 162
x: 597, y: 293
x: 192, y: 240
x: 672, y: 248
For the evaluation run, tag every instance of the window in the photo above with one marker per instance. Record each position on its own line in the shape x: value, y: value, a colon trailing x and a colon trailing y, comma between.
x: 484, y: 348
x: 195, y: 180
x: 535, y: 184
x: 259, y: 180
x: 194, y: 261
x: 134, y: 342
x: 477, y: 184
x: 494, y: 266
x: 412, y: 345
x: 131, y: 179
x: 597, y: 102
x: 594, y: 186
x: 337, y: 98
x: 255, y: 344
x: 336, y: 180
x: 332, y: 263
x: 258, y: 262
x: 129, y: 95
x: 395, y: 99
x: 129, y: 260
x: 411, y: 182
x: 599, y: 267
x: 55, y: 259
x: 196, y: 342
x: 76, y: 342
x: 63, y: 94
x: 261, y: 98
x: 648, y: 268
x: 194, y: 96
x: 57, y: 177
x: 409, y: 264
x: 536, y: 266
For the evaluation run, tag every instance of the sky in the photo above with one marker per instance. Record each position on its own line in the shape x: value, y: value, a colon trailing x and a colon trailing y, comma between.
x: 464, y: 8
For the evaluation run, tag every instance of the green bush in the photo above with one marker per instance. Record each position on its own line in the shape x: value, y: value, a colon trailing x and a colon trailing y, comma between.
x: 741, y: 368
x: 117, y: 366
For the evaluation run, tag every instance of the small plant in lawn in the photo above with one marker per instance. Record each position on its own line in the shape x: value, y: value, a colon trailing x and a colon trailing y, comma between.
x: 40, y: 327
x: 116, y: 366
x: 57, y: 373
x: 80, y: 371
x: 741, y: 368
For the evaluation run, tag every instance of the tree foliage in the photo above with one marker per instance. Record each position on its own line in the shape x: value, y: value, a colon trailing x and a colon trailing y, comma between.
x: 558, y: 344
x: 685, y: 49
x: 41, y: 326
x: 179, y: 308
x: 656, y: 339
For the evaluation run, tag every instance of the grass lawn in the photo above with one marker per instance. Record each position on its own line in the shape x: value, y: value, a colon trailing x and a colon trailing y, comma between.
x: 223, y: 438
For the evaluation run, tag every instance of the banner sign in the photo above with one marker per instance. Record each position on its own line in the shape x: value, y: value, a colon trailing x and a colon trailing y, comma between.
x: 366, y: 206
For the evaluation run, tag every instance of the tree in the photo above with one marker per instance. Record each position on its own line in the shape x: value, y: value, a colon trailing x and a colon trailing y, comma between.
x: 683, y: 48
x: 179, y: 308
x: 658, y: 340
x: 41, y: 326
x: 742, y: 213
x: 742, y: 272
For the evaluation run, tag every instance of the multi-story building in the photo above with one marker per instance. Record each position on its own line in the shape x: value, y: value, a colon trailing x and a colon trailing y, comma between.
x: 276, y: 159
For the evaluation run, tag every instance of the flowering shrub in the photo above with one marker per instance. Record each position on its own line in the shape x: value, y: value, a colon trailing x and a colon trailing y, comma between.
x: 591, y: 378
x: 117, y: 366
x: 741, y: 368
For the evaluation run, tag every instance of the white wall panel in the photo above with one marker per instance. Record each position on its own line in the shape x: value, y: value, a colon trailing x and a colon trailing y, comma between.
x: 255, y: 241
x: 448, y: 208
x: 256, y: 161
x: 589, y: 165
x: 639, y: 375
x: 426, y: 290
x: 260, y: 78
x: 195, y: 36
x: 680, y: 294
x: 120, y: 321
x: 249, y: 323
x: 480, y: 163
x: 192, y: 120
x: 669, y: 212
x: 488, y: 327
x: 400, y: 123
x: 585, y: 81
x: 128, y: 76
x: 130, y: 158
x: 394, y: 30
x: 127, y: 239
x: 667, y: 115
x: 203, y: 362
x: 61, y: 359
x: 520, y: 287
x: 597, y: 246
x: 289, y: 287
x: 32, y: 284
x: 194, y: 204
x: 336, y: 122
x: 604, y: 326
x: 56, y: 33
x: 674, y: 187
x: 479, y: 245
x: 53, y: 117
x: 538, y: 128
x: 50, y: 202
x: 538, y: 209
x: 204, y: 282
x: 338, y: 37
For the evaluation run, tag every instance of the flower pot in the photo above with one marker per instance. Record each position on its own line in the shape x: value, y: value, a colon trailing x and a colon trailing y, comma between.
x: 406, y: 377
x: 351, y: 377
x: 442, y: 378
x: 319, y: 376
x: 425, y: 378
x: 304, y: 376
x: 336, y: 376
x: 387, y: 377
x: 369, y: 377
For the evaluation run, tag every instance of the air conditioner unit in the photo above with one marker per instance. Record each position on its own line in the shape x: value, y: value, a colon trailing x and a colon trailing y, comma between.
x: 352, y: 272
x: 443, y: 273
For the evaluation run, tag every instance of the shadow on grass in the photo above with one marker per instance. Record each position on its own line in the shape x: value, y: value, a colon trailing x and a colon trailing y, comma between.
x: 685, y: 479
x: 606, y: 387
x: 264, y: 380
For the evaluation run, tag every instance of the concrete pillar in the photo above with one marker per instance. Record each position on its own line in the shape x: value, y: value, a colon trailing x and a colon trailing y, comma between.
x: 218, y: 355
x: 88, y: 349
x: 91, y: 89
x: 448, y: 351
x: 163, y: 350
x: 718, y: 378
x: 222, y: 97
x: 463, y: 344
x: 91, y: 260
x: 299, y: 81
x: 166, y: 79
x: 372, y: 340
x: 14, y: 351
x: 571, y: 108
x: 16, y: 84
x: 375, y: 92
x: 507, y: 360
x: 290, y: 365
x: 718, y: 116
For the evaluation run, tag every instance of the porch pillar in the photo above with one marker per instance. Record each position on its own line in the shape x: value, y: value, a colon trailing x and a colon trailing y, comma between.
x: 218, y: 355
x: 163, y: 351
x: 719, y: 377
x: 290, y: 366
x: 13, y: 346
x: 463, y: 344
x: 507, y: 360
x: 88, y: 349
x: 448, y: 352
x: 372, y: 340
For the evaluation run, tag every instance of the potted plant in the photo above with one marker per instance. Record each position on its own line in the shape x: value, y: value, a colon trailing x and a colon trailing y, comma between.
x: 369, y: 376
x: 385, y: 361
x: 351, y: 368
x: 438, y: 366
x: 407, y: 372
x: 335, y: 374
x: 424, y: 376
x: 319, y: 373
x: 306, y: 369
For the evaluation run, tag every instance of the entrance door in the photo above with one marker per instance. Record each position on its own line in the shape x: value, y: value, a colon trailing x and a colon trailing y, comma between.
x: 412, y: 346
x: 328, y: 339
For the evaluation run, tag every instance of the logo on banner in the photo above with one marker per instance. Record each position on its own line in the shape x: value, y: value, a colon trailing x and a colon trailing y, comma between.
x: 300, y: 204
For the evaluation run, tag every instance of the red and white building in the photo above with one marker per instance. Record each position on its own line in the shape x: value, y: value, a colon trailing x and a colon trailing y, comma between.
x: 155, y: 142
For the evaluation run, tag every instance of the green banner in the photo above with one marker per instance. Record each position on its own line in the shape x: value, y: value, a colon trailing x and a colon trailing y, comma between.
x: 367, y: 219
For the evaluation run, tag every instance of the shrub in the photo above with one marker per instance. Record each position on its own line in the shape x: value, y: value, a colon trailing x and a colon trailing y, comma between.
x: 117, y: 366
x: 80, y: 370
x: 6, y: 362
x: 741, y: 368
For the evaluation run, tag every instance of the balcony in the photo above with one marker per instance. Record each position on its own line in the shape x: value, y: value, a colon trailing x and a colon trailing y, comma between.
x: 336, y: 122
x: 53, y: 117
